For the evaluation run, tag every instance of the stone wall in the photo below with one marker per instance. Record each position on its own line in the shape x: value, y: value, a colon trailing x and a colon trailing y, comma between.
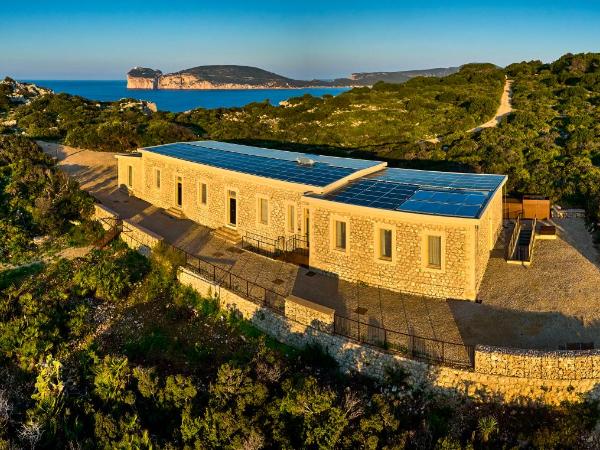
x: 486, y: 235
x: 308, y: 313
x: 123, y: 163
x: 512, y: 386
x: 407, y: 271
x: 547, y: 365
x: 214, y: 213
x: 105, y: 215
x: 139, y: 238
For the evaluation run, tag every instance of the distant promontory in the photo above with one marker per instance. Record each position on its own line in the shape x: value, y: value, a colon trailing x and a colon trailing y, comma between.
x: 245, y: 77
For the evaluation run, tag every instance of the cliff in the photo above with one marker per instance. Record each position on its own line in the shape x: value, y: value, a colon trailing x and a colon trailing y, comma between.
x: 143, y: 78
x: 246, y: 77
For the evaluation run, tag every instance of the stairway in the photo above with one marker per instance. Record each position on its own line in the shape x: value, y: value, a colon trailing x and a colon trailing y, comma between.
x: 524, y: 242
x: 228, y: 234
x: 175, y: 212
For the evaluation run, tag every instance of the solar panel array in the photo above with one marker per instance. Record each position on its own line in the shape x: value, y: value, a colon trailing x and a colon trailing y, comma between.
x: 485, y: 182
x: 425, y: 192
x: 349, y: 163
x: 261, y: 162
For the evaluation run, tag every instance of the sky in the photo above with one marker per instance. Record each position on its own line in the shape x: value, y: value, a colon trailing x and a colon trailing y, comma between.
x: 300, y: 39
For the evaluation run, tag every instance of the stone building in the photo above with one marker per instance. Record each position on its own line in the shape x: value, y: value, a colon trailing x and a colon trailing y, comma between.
x: 421, y: 232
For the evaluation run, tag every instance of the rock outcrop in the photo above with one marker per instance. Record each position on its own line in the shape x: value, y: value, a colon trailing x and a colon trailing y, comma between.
x: 246, y: 77
x: 143, y: 78
x: 18, y: 92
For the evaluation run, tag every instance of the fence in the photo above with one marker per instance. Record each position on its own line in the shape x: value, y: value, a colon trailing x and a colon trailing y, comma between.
x: 430, y: 350
x: 407, y: 345
x: 276, y: 248
x: 222, y: 277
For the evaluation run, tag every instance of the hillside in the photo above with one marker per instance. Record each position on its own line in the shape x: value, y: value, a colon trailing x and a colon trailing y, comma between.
x: 246, y: 77
x: 549, y: 145
x: 370, y: 78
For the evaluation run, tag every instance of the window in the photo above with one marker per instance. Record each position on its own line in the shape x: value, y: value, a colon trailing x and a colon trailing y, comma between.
x: 263, y: 205
x: 340, y: 235
x: 291, y: 219
x: 203, y: 193
x: 157, y: 174
x: 385, y: 244
x: 434, y: 252
x: 130, y: 176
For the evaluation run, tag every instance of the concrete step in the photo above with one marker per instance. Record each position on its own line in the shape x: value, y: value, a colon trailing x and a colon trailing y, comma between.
x: 228, y: 234
x: 175, y: 212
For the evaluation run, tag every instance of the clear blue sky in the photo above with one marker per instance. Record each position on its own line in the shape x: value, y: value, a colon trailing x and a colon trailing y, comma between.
x: 302, y: 39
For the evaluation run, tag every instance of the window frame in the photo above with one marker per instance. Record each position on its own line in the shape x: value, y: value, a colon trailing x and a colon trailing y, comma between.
x: 259, y: 200
x: 157, y: 179
x: 201, y: 183
x: 425, y: 251
x: 379, y: 227
x: 333, y: 234
x: 294, y: 222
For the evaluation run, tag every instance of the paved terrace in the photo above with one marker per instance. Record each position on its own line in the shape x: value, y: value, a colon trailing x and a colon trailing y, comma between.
x: 554, y: 302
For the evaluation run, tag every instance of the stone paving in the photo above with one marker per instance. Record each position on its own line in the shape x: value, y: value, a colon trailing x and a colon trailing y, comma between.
x: 553, y: 302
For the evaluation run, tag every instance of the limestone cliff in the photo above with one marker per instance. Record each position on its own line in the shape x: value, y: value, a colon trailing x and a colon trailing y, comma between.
x: 246, y: 77
x: 143, y: 78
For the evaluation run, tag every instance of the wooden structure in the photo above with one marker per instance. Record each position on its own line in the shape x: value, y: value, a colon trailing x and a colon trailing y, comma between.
x: 528, y: 207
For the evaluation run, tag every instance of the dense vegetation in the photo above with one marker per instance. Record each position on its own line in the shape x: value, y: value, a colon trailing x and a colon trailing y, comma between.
x: 551, y: 144
x: 109, y: 351
x: 36, y: 199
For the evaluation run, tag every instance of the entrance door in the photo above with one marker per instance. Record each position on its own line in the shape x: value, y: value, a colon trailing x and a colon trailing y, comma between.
x: 232, y: 202
x: 307, y: 225
x: 179, y: 192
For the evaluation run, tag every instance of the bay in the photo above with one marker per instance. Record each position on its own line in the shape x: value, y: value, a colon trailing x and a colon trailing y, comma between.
x: 178, y: 100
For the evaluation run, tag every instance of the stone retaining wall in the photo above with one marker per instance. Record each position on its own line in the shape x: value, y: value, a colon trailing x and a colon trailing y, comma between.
x: 519, y: 385
x: 102, y: 213
x: 309, y: 313
x: 547, y: 365
x: 139, y: 238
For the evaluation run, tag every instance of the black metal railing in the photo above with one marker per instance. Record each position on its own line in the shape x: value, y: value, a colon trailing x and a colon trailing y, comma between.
x: 430, y: 350
x: 262, y: 245
x: 275, y: 248
x: 222, y: 277
x: 408, y: 345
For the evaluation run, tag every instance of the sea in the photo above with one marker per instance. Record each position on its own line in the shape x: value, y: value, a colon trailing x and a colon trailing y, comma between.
x: 178, y: 100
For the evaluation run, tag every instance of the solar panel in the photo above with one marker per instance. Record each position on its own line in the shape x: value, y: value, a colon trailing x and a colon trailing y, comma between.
x: 436, y: 193
x: 255, y: 161
x: 426, y: 178
x: 348, y: 163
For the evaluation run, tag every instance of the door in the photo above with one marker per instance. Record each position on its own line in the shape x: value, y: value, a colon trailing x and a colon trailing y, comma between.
x: 232, y: 215
x: 179, y: 192
x: 307, y: 225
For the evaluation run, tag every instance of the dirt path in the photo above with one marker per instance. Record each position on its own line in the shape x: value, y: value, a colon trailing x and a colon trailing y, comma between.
x: 503, y: 110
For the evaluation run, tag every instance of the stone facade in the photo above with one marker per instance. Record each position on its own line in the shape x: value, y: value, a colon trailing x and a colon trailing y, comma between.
x: 466, y: 246
x: 516, y: 379
x: 466, y: 243
x: 123, y: 171
x: 214, y: 214
x: 487, y: 232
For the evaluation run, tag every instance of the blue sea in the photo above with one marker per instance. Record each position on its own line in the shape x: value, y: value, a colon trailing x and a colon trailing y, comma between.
x: 178, y: 100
